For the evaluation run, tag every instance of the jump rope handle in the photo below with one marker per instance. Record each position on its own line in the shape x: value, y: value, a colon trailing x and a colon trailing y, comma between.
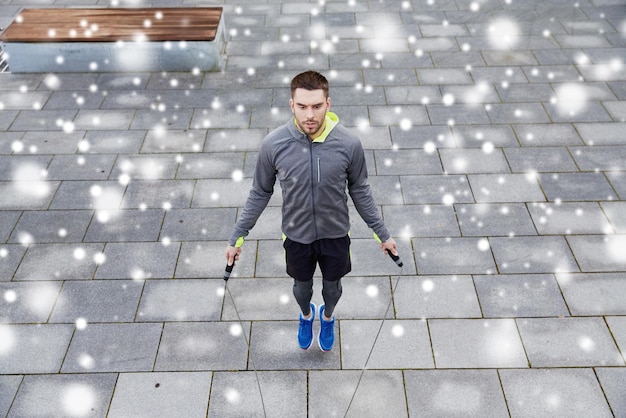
x: 396, y: 259
x: 228, y: 270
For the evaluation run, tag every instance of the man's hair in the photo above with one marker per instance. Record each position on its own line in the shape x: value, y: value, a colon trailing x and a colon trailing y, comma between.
x: 309, y: 80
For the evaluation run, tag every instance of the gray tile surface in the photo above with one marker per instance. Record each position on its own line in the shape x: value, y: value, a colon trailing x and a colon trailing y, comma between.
x: 499, y: 171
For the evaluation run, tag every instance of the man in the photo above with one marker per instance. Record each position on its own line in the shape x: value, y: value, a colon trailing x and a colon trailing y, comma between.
x: 315, y: 159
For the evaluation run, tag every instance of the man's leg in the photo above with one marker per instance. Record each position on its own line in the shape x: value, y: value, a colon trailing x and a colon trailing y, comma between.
x: 335, y: 263
x: 331, y: 292
x: 301, y: 265
x: 303, y: 292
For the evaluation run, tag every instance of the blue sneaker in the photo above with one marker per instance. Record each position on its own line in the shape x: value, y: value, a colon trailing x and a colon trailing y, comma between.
x: 305, y: 331
x: 326, y: 338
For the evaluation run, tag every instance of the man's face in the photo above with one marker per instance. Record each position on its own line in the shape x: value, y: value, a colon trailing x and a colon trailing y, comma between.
x: 309, y: 108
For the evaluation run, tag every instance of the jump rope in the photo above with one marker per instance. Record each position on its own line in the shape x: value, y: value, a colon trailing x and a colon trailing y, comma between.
x: 227, y: 272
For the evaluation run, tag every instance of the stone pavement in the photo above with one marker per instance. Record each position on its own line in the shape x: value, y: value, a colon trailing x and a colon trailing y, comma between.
x: 495, y: 138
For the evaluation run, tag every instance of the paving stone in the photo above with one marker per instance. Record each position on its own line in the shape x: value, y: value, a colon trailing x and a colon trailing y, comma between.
x: 8, y: 220
x: 369, y: 260
x: 601, y: 133
x: 563, y: 342
x: 234, y: 140
x: 533, y: 255
x: 477, y: 136
x: 27, y: 195
x: 484, y: 219
x: 362, y: 298
x: 167, y: 124
x: 543, y: 135
x: 138, y: 260
x: 124, y: 347
x: 141, y: 194
x: 599, y: 253
x: 540, y: 159
x: 402, y: 95
x: 103, y: 195
x: 73, y: 100
x: 122, y: 142
x: 29, y: 349
x: 436, y: 297
x: 204, y: 346
x: 270, y: 259
x: 387, y: 190
x: 576, y: 186
x: 455, y: 393
x: 206, y: 260
x: 8, y: 388
x: 379, y: 393
x: 567, y: 218
x: 517, y: 113
x: 430, y: 189
x: 476, y: 343
x: 522, y: 93
x: 618, y: 182
x: 28, y: 302
x: 394, y: 115
x: 453, y: 256
x: 438, y: 76
x: 97, y: 301
x: 58, y: 262
x: 406, y: 162
x: 411, y: 221
x: 126, y: 225
x: 260, y: 299
x: 181, y: 300
x: 52, y: 142
x: 612, y: 381
x: 221, y: 165
x: 64, y: 395
x: 37, y: 120
x: 408, y: 340
x: 605, y: 158
x: 197, y: 224
x: 553, y: 392
x: 23, y: 167
x: 470, y: 161
x: 51, y: 226
x: 461, y: 114
x: 616, y: 214
x: 617, y: 326
x: 237, y: 394
x: 274, y: 346
x: 173, y: 137
x: 524, y: 295
x: 10, y: 258
x: 505, y: 188
x: 146, y: 167
x: 593, y: 294
x: 161, y: 394
x: 100, y: 119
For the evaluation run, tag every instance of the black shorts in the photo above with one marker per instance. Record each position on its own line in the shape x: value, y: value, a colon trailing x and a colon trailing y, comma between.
x: 332, y: 255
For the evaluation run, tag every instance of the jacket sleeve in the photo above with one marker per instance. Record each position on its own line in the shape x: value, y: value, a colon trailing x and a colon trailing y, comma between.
x: 361, y: 193
x: 259, y: 196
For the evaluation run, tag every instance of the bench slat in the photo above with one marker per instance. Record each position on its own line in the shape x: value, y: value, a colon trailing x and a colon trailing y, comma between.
x: 110, y: 25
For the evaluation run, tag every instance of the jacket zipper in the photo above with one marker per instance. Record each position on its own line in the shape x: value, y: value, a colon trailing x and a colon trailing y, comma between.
x: 313, y: 184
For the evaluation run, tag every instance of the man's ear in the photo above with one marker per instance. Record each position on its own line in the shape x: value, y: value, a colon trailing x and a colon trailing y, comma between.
x: 328, y: 102
x: 291, y: 105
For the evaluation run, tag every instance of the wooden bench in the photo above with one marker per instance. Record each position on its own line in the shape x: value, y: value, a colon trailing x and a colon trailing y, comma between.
x: 141, y: 39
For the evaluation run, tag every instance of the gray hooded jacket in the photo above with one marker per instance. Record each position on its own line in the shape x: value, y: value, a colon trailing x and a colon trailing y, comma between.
x: 313, y: 176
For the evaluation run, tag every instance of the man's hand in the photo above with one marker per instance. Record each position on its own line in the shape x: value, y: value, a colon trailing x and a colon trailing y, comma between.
x: 389, y: 246
x: 232, y: 254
